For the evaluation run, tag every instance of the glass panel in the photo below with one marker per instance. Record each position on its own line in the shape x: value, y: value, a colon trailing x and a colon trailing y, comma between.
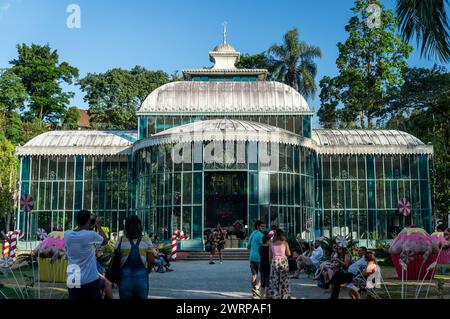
x: 198, y: 191
x: 197, y: 222
x: 177, y: 189
x: 325, y: 167
x: 69, y: 195
x: 352, y: 167
x: 187, y: 188
x: 44, y: 168
x: 379, y: 167
x: 34, y: 168
x: 274, y: 188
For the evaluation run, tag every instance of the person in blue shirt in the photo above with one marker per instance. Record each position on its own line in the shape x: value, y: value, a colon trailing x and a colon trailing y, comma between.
x: 254, y: 242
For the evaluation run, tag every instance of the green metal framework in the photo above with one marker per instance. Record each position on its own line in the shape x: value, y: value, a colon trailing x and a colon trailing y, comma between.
x: 359, y: 194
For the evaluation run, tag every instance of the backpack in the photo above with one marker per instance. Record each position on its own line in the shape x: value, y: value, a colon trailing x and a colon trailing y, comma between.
x: 208, y: 246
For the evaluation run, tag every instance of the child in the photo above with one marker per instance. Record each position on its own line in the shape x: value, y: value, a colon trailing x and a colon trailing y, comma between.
x: 264, y: 268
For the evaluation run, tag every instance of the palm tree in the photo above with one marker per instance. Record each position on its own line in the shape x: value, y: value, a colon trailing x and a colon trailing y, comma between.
x: 427, y: 19
x: 293, y: 63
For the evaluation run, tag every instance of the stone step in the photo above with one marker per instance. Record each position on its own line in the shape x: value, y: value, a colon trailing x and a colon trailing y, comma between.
x: 235, y: 254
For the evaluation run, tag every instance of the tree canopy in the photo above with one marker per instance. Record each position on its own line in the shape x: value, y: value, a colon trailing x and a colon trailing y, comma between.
x: 293, y: 63
x: 114, y: 96
x: 371, y: 64
x: 428, y: 21
x: 41, y: 73
x: 422, y: 107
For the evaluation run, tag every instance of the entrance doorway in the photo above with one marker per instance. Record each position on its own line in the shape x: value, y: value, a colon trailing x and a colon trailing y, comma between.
x: 226, y: 205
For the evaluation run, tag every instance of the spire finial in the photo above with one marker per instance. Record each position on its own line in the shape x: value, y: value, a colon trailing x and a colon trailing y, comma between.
x: 225, y: 32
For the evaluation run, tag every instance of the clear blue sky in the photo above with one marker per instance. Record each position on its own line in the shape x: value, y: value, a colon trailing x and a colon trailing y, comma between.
x: 171, y: 35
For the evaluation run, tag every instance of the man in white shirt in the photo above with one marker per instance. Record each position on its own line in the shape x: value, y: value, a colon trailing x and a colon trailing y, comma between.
x: 83, y: 277
x: 313, y: 260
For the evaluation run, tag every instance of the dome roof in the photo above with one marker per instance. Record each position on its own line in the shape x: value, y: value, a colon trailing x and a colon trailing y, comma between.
x: 223, y: 130
x: 224, y: 98
x: 224, y: 47
x: 80, y: 143
x: 368, y: 142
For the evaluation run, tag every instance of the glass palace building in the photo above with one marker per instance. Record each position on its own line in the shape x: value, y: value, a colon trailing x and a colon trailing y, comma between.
x: 227, y: 147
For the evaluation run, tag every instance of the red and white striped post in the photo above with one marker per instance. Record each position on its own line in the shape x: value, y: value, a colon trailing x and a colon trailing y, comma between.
x: 5, y: 248
x: 12, y: 250
x: 179, y: 233
x: 174, y: 247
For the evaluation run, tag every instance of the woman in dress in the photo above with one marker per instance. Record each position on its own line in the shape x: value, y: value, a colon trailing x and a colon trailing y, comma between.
x: 279, y: 277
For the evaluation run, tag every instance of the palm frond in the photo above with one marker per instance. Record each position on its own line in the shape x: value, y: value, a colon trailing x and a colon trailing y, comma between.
x: 428, y: 21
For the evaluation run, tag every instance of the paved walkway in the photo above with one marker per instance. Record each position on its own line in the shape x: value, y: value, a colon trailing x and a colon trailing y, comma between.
x: 198, y: 279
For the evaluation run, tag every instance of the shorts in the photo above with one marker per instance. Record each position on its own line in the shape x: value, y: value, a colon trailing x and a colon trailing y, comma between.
x: 265, y: 280
x: 220, y: 246
x: 254, y: 267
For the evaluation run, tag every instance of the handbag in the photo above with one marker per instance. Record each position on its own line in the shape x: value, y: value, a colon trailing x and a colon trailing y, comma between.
x: 113, y: 273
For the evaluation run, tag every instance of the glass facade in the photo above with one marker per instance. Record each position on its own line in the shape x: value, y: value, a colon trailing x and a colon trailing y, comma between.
x: 60, y: 186
x: 298, y: 124
x: 359, y: 194
x: 171, y: 193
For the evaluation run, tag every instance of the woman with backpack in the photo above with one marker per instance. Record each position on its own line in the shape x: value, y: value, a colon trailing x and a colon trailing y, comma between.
x: 137, y: 258
x: 211, y: 245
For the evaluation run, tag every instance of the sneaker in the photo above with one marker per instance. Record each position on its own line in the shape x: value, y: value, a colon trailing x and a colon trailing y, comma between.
x: 211, y: 262
x: 256, y: 293
x: 221, y: 262
x: 169, y: 269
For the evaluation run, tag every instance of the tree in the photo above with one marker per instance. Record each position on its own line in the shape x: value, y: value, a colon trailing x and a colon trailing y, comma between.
x: 114, y: 96
x: 429, y: 22
x: 12, y: 92
x: 42, y: 74
x: 329, y: 97
x: 255, y: 61
x: 71, y: 118
x: 293, y: 63
x: 422, y: 107
x: 371, y: 64
x: 31, y: 129
x: 8, y: 175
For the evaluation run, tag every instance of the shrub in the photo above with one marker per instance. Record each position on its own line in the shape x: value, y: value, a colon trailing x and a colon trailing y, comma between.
x: 382, y: 252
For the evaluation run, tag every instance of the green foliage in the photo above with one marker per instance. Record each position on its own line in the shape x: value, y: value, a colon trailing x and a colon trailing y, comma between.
x: 329, y: 97
x: 293, y: 63
x: 422, y: 107
x: 71, y: 118
x: 371, y: 63
x: 12, y: 92
x: 382, y: 252
x: 165, y: 249
x: 255, y: 61
x: 328, y: 243
x: 9, y: 165
x: 41, y: 73
x: 293, y: 244
x: 32, y: 129
x: 429, y: 22
x: 114, y: 96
